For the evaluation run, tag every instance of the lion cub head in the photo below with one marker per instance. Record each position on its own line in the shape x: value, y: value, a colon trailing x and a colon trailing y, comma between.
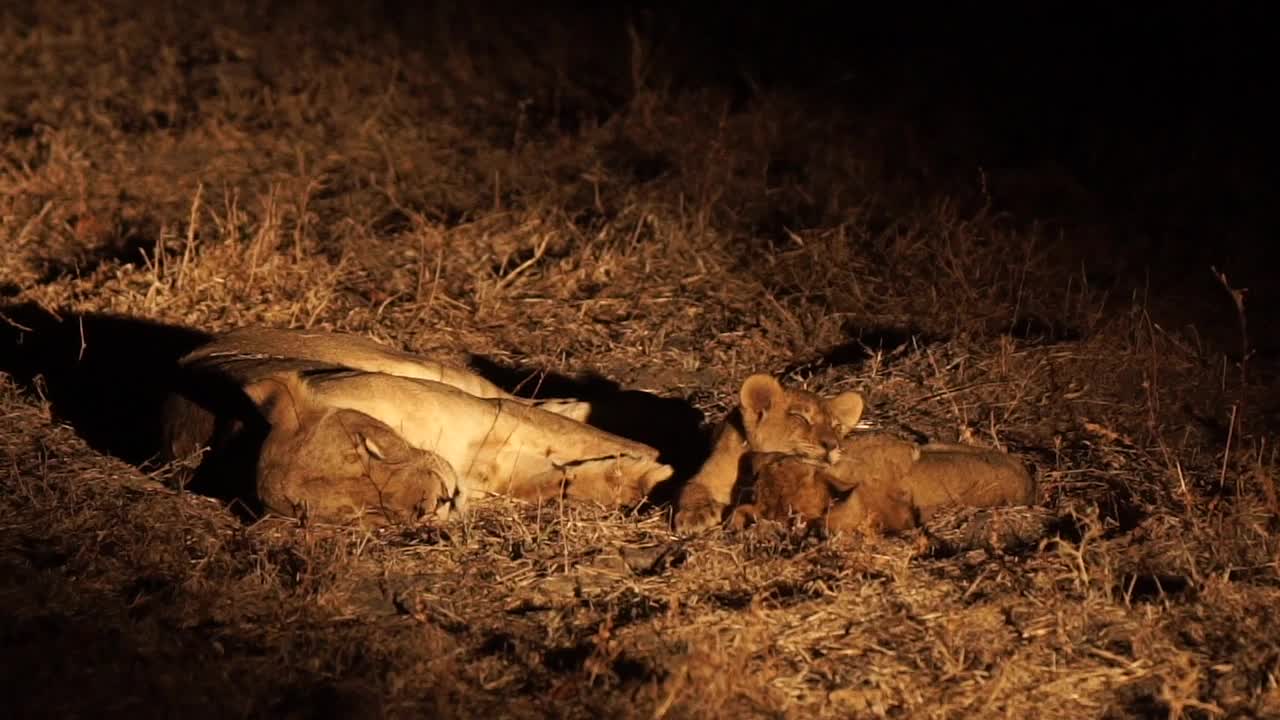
x: 796, y: 422
x: 787, y: 487
x: 331, y: 464
x: 783, y: 486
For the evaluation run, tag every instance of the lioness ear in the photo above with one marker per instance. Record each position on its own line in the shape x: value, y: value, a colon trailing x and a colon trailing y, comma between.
x: 383, y: 443
x: 279, y: 398
x: 760, y: 393
x: 847, y: 408
x: 371, y: 446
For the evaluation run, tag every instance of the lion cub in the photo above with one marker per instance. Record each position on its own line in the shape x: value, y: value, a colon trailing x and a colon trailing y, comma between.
x: 885, y: 483
x: 769, y: 419
x: 788, y: 486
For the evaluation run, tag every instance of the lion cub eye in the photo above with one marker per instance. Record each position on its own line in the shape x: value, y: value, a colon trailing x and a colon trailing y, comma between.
x: 801, y: 417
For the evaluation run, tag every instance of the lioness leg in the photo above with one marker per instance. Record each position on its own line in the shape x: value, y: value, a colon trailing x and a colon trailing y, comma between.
x: 619, y: 480
x: 577, y: 410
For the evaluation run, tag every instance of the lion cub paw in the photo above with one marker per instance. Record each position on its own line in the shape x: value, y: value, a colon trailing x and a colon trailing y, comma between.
x: 696, y: 518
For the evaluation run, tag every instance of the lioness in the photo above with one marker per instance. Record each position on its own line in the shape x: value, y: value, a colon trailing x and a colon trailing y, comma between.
x: 333, y: 464
x: 887, y: 483
x: 331, y: 428
x: 770, y: 418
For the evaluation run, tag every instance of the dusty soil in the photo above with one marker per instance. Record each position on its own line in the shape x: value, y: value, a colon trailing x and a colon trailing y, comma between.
x: 182, y: 172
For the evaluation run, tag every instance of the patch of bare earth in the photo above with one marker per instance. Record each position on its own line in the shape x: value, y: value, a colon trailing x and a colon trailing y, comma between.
x: 194, y: 171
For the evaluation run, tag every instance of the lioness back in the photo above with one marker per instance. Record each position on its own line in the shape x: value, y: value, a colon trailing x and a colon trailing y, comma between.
x: 769, y: 419
x: 253, y: 352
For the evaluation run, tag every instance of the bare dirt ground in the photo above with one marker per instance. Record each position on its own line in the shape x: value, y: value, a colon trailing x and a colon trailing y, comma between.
x: 208, y: 175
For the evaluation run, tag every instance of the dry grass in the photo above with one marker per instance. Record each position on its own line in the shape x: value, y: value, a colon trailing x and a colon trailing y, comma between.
x: 210, y: 178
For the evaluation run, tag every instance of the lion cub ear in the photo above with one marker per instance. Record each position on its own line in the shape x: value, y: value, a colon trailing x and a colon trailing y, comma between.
x: 760, y: 393
x: 279, y: 398
x: 847, y: 409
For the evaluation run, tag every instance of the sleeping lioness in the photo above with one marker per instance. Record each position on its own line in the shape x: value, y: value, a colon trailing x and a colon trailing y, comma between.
x: 770, y: 418
x: 442, y: 433
x: 885, y: 483
x: 327, y: 463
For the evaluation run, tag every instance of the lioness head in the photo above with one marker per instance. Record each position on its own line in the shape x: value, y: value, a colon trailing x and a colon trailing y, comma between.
x: 794, y: 421
x: 331, y: 464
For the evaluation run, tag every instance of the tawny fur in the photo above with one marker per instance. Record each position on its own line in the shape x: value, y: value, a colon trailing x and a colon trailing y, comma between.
x: 885, y: 483
x: 769, y: 419
x: 333, y: 465
x: 489, y: 440
x: 497, y: 445
x: 250, y: 353
x: 788, y: 487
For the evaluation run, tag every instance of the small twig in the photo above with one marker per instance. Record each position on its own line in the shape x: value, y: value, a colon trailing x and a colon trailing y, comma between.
x: 537, y: 255
x: 83, y: 344
x: 1226, y: 451
x: 14, y: 324
x: 1237, y: 299
x: 189, y: 250
x: 952, y: 391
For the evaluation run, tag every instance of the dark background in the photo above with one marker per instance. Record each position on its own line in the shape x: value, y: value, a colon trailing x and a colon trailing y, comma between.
x: 1159, y: 115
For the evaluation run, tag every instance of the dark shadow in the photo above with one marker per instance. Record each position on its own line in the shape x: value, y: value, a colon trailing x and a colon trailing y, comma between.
x: 863, y: 343
x: 126, y: 241
x: 573, y: 658
x: 1156, y: 587
x: 110, y: 377
x: 106, y: 375
x: 1037, y: 330
x: 215, y: 412
x: 671, y: 425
